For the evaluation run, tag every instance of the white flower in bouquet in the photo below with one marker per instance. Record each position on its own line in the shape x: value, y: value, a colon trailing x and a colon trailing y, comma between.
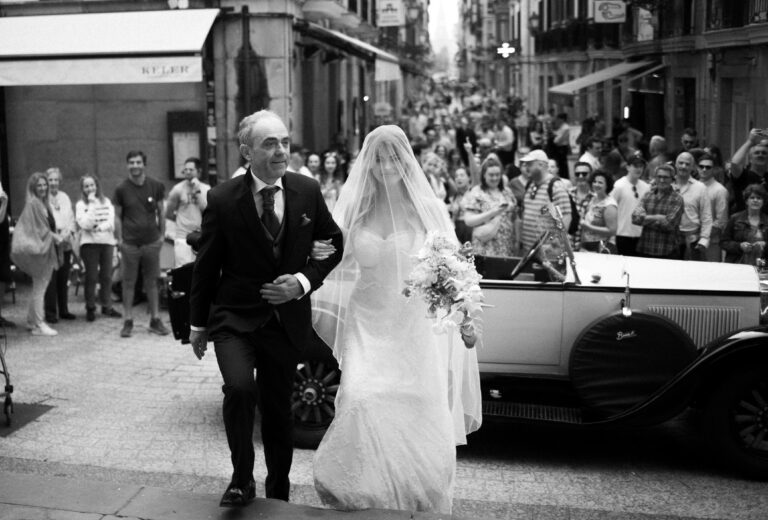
x: 446, y: 279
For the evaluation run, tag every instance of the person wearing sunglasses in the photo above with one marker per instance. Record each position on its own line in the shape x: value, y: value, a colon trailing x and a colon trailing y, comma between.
x: 755, y: 148
x: 696, y: 224
x: 581, y: 194
x: 627, y: 191
x: 659, y: 213
x: 718, y: 195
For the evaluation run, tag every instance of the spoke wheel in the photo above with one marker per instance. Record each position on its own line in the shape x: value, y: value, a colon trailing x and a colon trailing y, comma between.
x: 736, y: 417
x: 315, y: 386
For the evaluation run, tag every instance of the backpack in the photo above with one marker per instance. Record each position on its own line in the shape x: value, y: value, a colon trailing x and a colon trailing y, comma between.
x: 573, y: 227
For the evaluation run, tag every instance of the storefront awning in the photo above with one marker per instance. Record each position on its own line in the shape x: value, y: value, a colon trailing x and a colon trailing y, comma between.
x: 571, y: 88
x: 387, y: 65
x: 104, y: 48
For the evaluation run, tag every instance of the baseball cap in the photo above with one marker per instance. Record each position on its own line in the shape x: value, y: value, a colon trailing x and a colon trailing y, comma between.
x: 535, y: 155
x: 637, y: 159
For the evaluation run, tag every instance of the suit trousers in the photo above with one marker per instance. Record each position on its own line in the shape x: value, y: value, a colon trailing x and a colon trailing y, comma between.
x: 57, y: 293
x: 269, y: 350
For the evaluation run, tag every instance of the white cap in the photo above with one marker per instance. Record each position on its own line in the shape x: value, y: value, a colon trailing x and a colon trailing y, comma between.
x: 535, y: 155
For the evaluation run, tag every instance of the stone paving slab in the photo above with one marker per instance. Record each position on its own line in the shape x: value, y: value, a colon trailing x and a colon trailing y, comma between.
x: 65, y: 494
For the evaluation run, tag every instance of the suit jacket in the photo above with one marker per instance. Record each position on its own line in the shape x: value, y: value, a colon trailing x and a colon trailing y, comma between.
x: 235, y: 258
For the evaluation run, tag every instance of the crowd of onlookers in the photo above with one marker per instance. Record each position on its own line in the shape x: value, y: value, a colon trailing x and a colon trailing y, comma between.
x: 506, y: 176
x: 115, y: 242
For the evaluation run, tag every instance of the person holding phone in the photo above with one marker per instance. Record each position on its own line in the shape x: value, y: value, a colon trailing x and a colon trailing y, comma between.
x: 489, y: 209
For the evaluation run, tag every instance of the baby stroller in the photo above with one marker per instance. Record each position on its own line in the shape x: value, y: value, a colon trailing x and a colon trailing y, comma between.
x: 8, y: 390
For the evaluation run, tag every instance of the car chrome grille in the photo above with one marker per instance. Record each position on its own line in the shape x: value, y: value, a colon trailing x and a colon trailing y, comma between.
x: 702, y: 323
x: 535, y: 412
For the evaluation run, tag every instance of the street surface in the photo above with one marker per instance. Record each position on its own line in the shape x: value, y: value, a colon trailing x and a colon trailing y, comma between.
x: 144, y: 411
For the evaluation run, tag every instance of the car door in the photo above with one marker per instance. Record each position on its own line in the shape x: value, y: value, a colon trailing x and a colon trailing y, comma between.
x: 522, y: 327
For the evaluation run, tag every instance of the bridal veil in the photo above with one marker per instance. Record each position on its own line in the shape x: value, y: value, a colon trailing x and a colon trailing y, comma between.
x: 388, y: 192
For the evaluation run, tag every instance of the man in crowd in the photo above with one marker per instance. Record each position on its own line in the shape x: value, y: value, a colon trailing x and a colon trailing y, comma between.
x: 561, y: 143
x: 591, y: 155
x: 313, y: 164
x: 659, y: 213
x: 140, y: 233
x: 756, y: 148
x: 696, y: 223
x: 185, y: 207
x: 628, y: 191
x: 296, y: 164
x: 57, y: 293
x: 537, y: 197
x: 718, y: 195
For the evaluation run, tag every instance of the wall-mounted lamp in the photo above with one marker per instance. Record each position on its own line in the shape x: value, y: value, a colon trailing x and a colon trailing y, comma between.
x: 534, y: 23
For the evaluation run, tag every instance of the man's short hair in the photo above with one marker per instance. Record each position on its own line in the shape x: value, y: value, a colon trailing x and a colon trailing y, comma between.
x: 690, y: 131
x: 583, y: 165
x: 136, y: 153
x: 248, y: 122
x: 705, y: 157
x: 592, y: 140
x: 197, y: 162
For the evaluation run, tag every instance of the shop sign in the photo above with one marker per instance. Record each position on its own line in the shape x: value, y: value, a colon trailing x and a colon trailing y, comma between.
x: 390, y: 13
x: 610, y: 11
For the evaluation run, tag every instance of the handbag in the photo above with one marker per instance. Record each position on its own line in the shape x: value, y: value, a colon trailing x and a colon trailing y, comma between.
x: 486, y: 232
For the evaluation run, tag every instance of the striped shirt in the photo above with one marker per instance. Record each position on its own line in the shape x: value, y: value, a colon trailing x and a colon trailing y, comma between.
x: 534, y: 200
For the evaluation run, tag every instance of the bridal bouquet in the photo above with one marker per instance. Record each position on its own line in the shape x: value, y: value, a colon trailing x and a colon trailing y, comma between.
x: 445, y: 278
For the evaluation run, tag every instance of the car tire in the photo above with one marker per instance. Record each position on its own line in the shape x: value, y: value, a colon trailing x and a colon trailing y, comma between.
x: 316, y: 383
x: 735, y: 418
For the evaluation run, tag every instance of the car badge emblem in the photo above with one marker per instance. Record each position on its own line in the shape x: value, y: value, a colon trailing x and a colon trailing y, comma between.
x: 625, y: 335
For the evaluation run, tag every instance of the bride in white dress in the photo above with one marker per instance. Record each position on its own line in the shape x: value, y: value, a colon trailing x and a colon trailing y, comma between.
x: 408, y: 396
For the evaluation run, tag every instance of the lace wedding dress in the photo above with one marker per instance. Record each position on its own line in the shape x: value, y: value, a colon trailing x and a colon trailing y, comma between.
x: 391, y: 444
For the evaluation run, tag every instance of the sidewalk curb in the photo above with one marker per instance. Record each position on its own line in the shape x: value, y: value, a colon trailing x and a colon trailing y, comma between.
x: 85, y: 498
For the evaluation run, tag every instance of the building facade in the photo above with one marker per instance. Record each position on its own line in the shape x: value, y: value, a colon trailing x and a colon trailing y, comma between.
x: 666, y: 65
x: 116, y: 78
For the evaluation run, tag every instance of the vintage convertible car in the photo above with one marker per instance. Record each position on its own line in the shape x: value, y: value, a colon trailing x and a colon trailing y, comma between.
x: 620, y: 340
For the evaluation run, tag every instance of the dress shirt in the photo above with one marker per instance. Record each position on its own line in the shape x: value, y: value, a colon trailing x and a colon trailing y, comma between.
x: 591, y: 160
x: 718, y: 194
x: 64, y: 215
x: 697, y: 210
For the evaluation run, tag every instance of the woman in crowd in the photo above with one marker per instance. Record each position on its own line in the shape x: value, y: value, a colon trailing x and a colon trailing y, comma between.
x: 34, y: 249
x: 455, y: 208
x: 95, y: 217
x: 434, y: 169
x: 490, y: 210
x: 744, y: 237
x: 330, y: 179
x: 536, y: 135
x: 598, y: 227
x: 554, y: 169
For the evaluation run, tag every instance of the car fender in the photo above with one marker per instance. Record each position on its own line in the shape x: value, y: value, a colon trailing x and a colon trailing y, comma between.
x: 733, y: 351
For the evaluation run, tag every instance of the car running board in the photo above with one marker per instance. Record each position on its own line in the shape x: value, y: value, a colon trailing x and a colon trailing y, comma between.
x: 536, y: 412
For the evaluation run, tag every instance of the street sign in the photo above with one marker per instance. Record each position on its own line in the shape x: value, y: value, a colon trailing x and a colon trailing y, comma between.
x: 390, y: 13
x: 610, y: 11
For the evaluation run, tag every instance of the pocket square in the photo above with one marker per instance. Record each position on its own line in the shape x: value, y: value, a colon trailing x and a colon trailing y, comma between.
x: 305, y: 220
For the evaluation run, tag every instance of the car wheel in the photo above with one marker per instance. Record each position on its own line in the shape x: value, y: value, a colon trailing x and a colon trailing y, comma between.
x: 736, y: 421
x: 314, y: 391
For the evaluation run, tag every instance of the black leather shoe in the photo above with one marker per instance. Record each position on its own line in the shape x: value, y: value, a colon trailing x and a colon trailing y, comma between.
x: 67, y: 316
x: 236, y: 496
x: 51, y: 319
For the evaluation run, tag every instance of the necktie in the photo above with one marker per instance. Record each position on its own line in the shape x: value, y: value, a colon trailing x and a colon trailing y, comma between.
x: 268, y: 216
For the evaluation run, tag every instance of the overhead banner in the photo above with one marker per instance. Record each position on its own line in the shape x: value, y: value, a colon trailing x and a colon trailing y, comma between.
x: 101, y: 71
x: 610, y: 11
x: 390, y: 13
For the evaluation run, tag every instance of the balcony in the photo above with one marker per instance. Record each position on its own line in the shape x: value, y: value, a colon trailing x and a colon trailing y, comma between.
x: 578, y: 35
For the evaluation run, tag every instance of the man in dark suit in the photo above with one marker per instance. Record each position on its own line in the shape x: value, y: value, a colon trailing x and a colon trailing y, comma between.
x: 250, y: 295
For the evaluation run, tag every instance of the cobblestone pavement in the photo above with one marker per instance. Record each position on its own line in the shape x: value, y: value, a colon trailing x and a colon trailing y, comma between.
x: 145, y: 410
